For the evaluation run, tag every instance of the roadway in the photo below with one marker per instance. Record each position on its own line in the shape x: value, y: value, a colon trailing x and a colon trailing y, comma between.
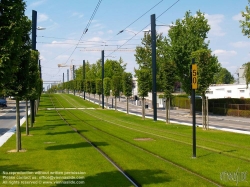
x: 182, y: 116
x: 8, y: 116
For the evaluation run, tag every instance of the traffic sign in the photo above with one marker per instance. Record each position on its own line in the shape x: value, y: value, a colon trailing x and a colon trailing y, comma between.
x: 194, y: 77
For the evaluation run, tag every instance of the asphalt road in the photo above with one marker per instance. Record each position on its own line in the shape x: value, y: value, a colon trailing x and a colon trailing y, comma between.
x: 183, y: 116
x: 8, y: 116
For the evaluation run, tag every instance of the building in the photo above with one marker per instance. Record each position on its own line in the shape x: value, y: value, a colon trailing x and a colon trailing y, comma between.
x: 228, y: 91
x: 240, y: 73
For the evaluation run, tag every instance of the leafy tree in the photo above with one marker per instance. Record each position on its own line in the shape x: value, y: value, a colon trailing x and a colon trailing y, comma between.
x: 223, y: 77
x: 143, y: 57
x: 98, y: 84
x: 245, y: 24
x: 127, y: 85
x: 187, y: 36
x: 167, y: 74
x: 93, y: 87
x: 11, y: 20
x: 34, y: 83
x: 88, y: 86
x: 144, y: 84
x: 247, y: 73
x: 107, y: 87
x: 113, y: 68
x: 15, y: 48
x: 116, y: 85
x: 207, y: 66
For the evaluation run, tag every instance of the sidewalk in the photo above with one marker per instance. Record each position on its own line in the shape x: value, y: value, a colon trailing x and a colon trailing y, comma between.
x: 226, y: 120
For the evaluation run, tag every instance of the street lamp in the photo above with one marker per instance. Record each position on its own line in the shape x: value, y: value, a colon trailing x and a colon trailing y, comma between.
x: 127, y: 31
x: 33, y: 47
x: 153, y: 47
x: 40, y: 28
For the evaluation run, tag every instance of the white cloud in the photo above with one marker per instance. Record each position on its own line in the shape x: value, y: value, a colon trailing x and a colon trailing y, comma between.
x: 214, y: 21
x: 110, y: 32
x: 62, y: 57
x: 96, y: 39
x: 238, y: 17
x: 77, y: 14
x: 42, y: 17
x: 224, y: 53
x: 240, y: 44
x: 37, y: 3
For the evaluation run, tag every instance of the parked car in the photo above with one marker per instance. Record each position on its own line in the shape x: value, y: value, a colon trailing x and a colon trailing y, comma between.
x: 3, y: 102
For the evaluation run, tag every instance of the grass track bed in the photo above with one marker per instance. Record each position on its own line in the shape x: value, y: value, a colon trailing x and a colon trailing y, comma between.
x: 206, y: 159
x: 217, y: 147
x: 136, y: 162
x: 53, y: 146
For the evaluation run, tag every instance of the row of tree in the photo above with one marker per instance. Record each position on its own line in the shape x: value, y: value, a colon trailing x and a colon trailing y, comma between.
x: 19, y: 71
x: 88, y: 79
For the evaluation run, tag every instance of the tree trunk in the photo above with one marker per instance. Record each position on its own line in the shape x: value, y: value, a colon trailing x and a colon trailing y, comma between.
x: 115, y: 103
x: 99, y: 100
x: 127, y: 105
x: 107, y: 99
x: 27, y: 119
x: 191, y: 106
x: 18, y: 133
x: 143, y: 109
x: 167, y: 110
x: 207, y: 113
x: 31, y: 112
x: 204, y: 112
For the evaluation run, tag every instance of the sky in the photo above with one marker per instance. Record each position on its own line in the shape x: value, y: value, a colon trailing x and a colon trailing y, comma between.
x: 64, y: 41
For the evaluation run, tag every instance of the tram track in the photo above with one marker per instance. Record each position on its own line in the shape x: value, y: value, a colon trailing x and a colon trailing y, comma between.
x: 215, y: 150
x: 84, y: 122
x: 172, y: 133
x: 98, y: 149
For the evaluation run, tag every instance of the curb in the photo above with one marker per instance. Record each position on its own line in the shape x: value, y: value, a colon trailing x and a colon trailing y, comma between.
x: 10, y: 132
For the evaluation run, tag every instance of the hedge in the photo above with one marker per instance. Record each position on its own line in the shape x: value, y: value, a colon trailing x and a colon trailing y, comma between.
x: 222, y: 106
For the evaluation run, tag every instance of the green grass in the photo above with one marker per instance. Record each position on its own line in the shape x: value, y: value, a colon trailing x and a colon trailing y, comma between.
x: 156, y: 162
x: 67, y: 151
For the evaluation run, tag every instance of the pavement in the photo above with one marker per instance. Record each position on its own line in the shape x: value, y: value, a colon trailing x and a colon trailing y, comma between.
x: 11, y: 107
x: 218, y: 122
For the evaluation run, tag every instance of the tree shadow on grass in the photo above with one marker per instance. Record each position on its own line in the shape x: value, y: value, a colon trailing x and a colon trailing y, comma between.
x: 45, y: 127
x: 115, y: 178
x: 64, y: 132
x: 75, y: 146
x: 221, y: 152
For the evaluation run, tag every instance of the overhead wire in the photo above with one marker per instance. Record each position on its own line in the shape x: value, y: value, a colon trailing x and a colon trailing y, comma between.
x: 86, y: 28
x: 144, y: 28
x: 139, y: 17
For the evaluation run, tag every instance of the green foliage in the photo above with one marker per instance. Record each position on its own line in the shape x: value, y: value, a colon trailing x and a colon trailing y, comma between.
x: 107, y: 86
x: 144, y: 58
x: 245, y: 24
x: 113, y: 68
x: 247, y: 73
x: 127, y: 84
x: 223, y: 77
x: 88, y: 86
x: 93, y: 87
x: 116, y: 85
x: 98, y: 84
x: 15, y: 48
x: 167, y: 71
x: 14, y: 45
x: 34, y: 84
x: 187, y: 36
x: 143, y: 81
x: 207, y: 66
